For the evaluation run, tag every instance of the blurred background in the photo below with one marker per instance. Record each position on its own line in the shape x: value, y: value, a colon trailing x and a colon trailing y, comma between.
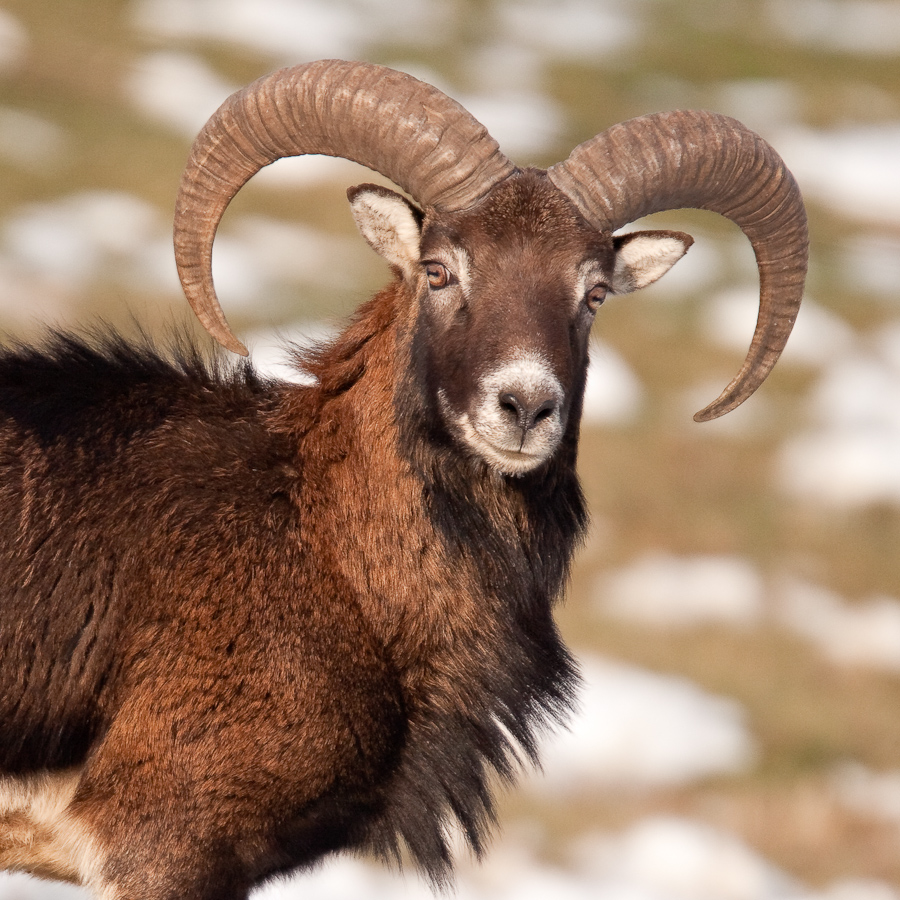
x: 736, y: 607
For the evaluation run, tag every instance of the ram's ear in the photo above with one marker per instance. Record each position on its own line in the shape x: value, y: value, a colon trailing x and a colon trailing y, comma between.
x: 389, y: 222
x: 644, y: 256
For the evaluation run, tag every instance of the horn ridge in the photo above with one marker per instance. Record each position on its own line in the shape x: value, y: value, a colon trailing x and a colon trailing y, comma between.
x: 703, y: 160
x: 409, y: 131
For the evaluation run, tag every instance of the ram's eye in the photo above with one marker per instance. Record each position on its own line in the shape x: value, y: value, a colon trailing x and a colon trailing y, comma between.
x: 595, y: 296
x: 438, y: 275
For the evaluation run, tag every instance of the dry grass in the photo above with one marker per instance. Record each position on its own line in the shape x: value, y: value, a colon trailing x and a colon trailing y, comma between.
x: 660, y: 484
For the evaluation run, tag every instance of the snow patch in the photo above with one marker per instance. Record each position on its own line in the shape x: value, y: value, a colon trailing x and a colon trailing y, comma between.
x: 613, y: 394
x: 818, y: 336
x: 669, y: 857
x: 95, y: 235
x: 762, y: 104
x: 582, y: 30
x: 636, y: 728
x: 288, y: 31
x: 258, y: 257
x: 866, y: 633
x: 13, y: 42
x: 178, y: 90
x: 850, y: 455
x: 853, y: 170
x: 662, y: 590
x: 270, y: 351
x: 24, y: 887
x: 29, y: 141
x: 872, y: 794
x: 308, y: 171
x: 80, y: 238
x: 524, y: 123
x: 849, y: 26
x: 694, y: 273
x: 665, y: 591
x: 870, y: 263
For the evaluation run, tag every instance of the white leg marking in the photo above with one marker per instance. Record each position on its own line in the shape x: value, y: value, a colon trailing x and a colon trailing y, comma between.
x: 38, y: 834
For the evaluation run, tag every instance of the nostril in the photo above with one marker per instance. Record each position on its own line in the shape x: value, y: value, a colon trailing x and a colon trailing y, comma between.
x: 527, y: 413
x: 511, y: 404
x: 544, y: 411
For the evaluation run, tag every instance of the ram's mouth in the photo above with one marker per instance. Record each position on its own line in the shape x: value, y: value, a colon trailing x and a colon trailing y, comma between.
x: 504, y: 460
x: 502, y: 449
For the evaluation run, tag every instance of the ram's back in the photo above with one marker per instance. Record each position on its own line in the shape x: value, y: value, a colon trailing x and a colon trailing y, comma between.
x: 119, y: 466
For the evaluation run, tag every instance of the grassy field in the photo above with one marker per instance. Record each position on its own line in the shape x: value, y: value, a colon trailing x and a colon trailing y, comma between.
x: 656, y: 483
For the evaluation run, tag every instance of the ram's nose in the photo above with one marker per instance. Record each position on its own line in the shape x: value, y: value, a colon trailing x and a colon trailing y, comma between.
x: 527, y: 408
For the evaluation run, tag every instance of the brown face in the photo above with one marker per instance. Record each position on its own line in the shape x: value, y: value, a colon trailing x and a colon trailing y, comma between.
x: 507, y: 293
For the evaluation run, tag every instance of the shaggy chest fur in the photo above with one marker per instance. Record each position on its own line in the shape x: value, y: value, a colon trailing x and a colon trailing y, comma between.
x: 457, y: 570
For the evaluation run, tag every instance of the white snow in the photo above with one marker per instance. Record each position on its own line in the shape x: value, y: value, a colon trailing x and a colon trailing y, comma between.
x: 176, y: 89
x: 76, y: 239
x: 849, y: 455
x: 84, y: 238
x: 658, y: 858
x: 849, y: 26
x: 864, y: 633
x: 663, y: 590
x: 819, y: 336
x: 13, y: 41
x: 693, y: 274
x: 181, y: 91
x: 851, y: 169
x: 525, y: 123
x: 669, y: 857
x: 51, y: 251
x: 270, y: 350
x: 23, y: 887
x: 844, y: 469
x: 31, y: 142
x: 870, y: 262
x: 257, y: 256
x: 305, y: 171
x: 762, y: 104
x: 583, y: 30
x: 875, y: 795
x: 859, y: 889
x: 288, y: 31
x: 613, y: 394
x: 637, y: 728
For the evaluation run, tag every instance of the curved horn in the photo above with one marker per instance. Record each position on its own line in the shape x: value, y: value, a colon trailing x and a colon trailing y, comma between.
x: 702, y: 160
x: 407, y: 130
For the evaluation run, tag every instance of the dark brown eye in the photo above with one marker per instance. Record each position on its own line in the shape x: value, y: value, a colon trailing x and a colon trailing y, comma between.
x: 438, y: 275
x: 595, y: 296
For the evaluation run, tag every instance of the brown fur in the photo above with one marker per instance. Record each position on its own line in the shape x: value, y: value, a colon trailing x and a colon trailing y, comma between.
x: 248, y: 676
x: 246, y: 624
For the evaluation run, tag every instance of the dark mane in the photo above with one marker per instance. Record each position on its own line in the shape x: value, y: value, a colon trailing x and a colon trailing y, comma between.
x: 68, y: 385
x: 518, y: 536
